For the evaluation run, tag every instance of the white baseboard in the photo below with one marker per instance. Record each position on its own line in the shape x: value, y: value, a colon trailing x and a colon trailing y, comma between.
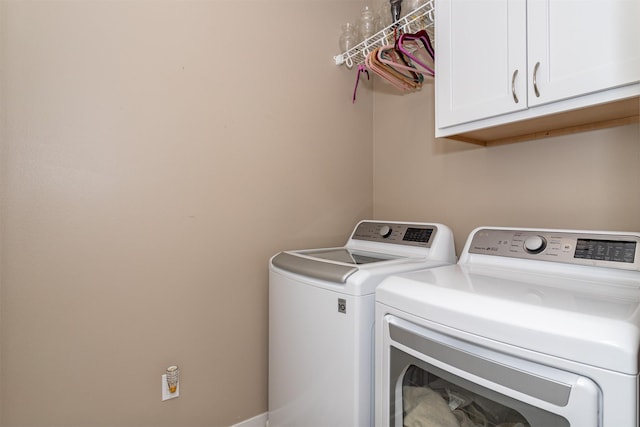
x: 257, y: 421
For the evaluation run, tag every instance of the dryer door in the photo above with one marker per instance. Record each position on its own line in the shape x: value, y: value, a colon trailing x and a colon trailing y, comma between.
x: 429, y: 377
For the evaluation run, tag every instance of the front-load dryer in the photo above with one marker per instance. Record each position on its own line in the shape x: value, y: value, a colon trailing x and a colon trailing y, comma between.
x: 321, y: 320
x: 532, y: 328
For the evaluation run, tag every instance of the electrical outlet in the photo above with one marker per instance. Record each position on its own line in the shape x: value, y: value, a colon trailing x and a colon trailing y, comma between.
x: 166, y: 393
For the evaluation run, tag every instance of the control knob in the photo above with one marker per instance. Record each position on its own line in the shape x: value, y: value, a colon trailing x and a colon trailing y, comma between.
x: 535, y: 244
x: 385, y: 231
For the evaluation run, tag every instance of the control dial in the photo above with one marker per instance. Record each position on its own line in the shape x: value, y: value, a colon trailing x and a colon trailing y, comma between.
x: 535, y: 244
x: 385, y: 231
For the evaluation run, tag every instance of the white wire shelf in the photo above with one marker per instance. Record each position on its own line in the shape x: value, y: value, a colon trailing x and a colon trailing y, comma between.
x: 421, y: 18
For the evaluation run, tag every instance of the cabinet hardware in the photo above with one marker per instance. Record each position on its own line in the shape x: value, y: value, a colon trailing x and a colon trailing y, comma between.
x: 535, y: 82
x: 513, y: 86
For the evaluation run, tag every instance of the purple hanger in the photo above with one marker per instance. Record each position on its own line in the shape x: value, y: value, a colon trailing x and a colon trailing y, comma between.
x: 420, y: 36
x: 361, y: 69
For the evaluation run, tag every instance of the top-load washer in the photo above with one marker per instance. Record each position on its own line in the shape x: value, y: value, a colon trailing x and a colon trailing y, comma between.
x: 532, y: 328
x: 321, y: 320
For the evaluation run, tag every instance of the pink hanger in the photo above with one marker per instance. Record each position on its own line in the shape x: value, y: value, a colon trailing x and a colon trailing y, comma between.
x: 423, y: 37
x: 390, y: 49
x: 370, y: 62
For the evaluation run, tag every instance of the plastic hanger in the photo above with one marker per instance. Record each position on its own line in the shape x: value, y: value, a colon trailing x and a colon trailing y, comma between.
x: 421, y: 36
x: 391, y: 76
x: 413, y: 80
x: 381, y: 72
x: 395, y: 59
x: 413, y: 51
x: 361, y: 69
x: 389, y: 73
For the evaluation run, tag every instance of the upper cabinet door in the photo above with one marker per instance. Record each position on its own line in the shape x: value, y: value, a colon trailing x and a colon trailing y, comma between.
x: 581, y: 47
x: 481, y: 59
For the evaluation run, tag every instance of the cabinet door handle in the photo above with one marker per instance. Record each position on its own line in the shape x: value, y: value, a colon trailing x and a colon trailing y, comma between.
x: 535, y: 79
x: 513, y: 86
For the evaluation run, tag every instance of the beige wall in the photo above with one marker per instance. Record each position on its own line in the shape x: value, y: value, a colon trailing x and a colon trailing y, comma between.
x: 586, y: 180
x: 149, y: 168
x: 154, y: 155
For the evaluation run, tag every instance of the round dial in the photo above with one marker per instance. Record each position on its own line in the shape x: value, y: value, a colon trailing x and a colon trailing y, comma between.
x: 535, y: 244
x: 385, y: 231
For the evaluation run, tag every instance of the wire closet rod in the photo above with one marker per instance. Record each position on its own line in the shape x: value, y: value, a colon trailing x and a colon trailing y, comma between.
x: 421, y: 18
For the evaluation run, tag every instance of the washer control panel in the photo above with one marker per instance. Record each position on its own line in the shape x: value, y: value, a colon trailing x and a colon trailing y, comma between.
x: 597, y: 248
x: 398, y: 233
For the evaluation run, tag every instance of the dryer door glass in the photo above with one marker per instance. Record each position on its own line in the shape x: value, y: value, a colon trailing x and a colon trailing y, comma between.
x: 440, y: 380
x: 431, y: 396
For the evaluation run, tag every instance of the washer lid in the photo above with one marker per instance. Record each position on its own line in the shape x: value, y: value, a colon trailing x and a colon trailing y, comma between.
x: 595, y: 321
x: 349, y: 256
x: 332, y: 264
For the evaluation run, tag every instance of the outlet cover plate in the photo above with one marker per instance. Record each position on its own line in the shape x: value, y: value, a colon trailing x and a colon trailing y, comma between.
x: 166, y: 394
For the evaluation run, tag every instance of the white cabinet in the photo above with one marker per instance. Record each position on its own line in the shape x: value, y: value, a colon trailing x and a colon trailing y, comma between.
x: 480, y: 47
x: 505, y: 61
x: 581, y: 47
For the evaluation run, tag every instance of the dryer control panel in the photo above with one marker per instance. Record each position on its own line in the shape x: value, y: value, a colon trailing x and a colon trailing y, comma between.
x: 605, y: 249
x: 394, y: 232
